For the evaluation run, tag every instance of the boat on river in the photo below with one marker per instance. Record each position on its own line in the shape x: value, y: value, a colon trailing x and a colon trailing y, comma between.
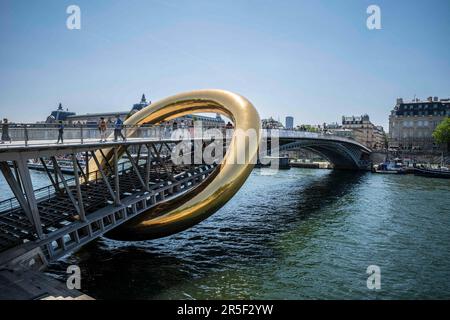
x: 65, y: 165
x: 390, y: 167
x: 443, y: 173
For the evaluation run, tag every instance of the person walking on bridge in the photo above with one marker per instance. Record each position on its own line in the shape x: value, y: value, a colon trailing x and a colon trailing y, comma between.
x: 5, y: 131
x: 102, y: 128
x: 60, y: 132
x: 118, y: 126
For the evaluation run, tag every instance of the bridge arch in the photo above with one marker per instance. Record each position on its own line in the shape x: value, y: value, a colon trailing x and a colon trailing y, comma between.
x: 342, y: 154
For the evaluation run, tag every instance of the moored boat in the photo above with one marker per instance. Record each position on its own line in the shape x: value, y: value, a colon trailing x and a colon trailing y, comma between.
x: 432, y: 173
x: 389, y: 168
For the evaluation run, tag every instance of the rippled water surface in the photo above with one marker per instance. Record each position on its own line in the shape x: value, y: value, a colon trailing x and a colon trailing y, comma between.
x: 297, y: 234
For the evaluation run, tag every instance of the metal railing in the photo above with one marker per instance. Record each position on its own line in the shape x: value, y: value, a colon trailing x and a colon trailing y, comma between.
x: 283, y: 133
x: 34, y: 134
x: 26, y: 134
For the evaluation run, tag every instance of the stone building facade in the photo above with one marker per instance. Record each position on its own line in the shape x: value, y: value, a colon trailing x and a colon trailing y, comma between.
x: 411, y: 124
x: 364, y: 131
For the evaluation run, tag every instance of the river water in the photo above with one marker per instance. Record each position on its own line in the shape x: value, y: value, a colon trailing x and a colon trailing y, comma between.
x: 296, y: 234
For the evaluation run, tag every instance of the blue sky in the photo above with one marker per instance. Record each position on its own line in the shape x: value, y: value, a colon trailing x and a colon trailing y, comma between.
x: 314, y: 60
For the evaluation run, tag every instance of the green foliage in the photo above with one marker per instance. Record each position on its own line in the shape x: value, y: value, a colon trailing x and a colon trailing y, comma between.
x: 309, y: 128
x: 442, y: 132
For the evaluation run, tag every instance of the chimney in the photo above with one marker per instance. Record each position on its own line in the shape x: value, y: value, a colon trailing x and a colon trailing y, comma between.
x: 436, y: 99
x: 399, y: 100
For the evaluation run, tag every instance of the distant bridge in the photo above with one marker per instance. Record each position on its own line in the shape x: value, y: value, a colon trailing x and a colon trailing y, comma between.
x: 342, y: 152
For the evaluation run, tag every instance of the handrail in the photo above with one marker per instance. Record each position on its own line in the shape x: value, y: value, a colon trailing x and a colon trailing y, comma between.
x: 28, y: 134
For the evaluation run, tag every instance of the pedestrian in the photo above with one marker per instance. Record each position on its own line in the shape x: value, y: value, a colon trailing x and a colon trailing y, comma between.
x: 5, y: 131
x: 102, y: 128
x: 60, y: 132
x: 118, y: 125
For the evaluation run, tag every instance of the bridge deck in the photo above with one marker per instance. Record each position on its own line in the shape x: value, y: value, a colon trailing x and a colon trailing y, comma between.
x: 57, y: 212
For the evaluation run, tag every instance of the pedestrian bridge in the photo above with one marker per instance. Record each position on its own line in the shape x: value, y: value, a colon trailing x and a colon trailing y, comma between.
x: 131, y: 190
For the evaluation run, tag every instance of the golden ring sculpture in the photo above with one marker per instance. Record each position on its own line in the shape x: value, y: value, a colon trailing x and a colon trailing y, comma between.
x: 183, y: 212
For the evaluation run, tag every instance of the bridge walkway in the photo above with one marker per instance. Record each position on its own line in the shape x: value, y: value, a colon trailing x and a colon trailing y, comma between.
x: 57, y: 210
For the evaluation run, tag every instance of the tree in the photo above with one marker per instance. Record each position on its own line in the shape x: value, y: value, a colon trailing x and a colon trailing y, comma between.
x: 442, y: 133
x: 310, y: 128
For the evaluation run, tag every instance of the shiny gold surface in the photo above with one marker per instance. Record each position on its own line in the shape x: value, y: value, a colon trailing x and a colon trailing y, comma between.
x: 202, y: 201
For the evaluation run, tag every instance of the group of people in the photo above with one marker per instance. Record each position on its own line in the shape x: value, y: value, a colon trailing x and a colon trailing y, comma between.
x: 118, y: 126
x: 102, y: 127
x: 5, y: 131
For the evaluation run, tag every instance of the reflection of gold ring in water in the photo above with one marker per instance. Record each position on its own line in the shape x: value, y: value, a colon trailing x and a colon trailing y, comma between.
x: 197, y: 204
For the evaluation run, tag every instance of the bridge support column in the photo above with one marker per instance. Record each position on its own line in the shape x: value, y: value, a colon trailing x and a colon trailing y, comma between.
x: 138, y: 157
x: 111, y: 170
x: 16, y: 172
x: 66, y: 186
x: 16, y: 188
x: 85, y: 177
x: 86, y: 160
x: 136, y: 169
x: 158, y: 156
x: 31, y: 199
x: 104, y: 177
x: 77, y: 183
x: 116, y: 178
x: 147, y: 168
x: 53, y: 181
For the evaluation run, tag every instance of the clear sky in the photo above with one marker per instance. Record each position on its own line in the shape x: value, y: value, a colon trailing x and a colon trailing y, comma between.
x: 314, y: 60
